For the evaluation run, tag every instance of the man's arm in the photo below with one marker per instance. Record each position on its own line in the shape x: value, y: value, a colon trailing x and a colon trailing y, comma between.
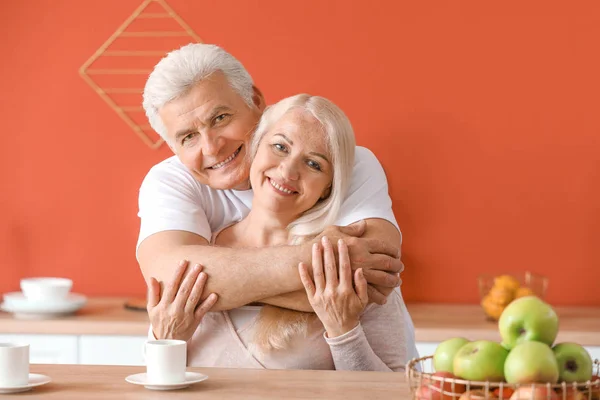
x: 294, y: 301
x: 242, y: 276
x: 238, y: 276
x: 382, y: 283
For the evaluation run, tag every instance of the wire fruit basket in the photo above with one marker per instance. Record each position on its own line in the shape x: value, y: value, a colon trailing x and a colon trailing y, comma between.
x: 426, y: 386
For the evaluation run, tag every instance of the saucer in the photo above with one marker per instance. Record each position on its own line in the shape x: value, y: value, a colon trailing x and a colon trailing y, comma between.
x: 34, y: 380
x: 142, y: 379
x: 22, y: 307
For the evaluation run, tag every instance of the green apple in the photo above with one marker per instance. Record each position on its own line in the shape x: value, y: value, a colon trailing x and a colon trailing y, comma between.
x: 531, y: 362
x: 482, y: 360
x: 574, y: 362
x: 443, y: 358
x: 525, y: 319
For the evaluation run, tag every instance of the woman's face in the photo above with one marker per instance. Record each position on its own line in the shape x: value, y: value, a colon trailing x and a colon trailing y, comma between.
x: 292, y: 168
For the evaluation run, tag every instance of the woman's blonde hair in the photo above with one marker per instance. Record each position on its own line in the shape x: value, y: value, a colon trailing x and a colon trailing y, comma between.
x: 275, y: 326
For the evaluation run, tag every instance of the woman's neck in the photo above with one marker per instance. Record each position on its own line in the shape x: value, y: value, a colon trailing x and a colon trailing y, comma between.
x: 261, y: 228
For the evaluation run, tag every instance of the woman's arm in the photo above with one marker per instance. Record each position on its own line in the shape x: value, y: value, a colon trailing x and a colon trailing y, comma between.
x: 340, y: 302
x: 378, y: 343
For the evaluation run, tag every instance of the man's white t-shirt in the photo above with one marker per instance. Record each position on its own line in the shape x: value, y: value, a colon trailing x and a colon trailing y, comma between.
x: 171, y: 198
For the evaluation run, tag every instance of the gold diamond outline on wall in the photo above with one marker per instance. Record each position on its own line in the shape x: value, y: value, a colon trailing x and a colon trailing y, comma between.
x: 85, y: 72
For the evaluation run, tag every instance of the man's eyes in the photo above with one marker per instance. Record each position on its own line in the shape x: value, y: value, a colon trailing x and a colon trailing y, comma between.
x: 221, y: 117
x: 187, y: 137
x: 280, y: 147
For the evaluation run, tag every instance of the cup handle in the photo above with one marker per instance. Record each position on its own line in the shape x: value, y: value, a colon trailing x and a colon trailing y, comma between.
x: 144, y: 351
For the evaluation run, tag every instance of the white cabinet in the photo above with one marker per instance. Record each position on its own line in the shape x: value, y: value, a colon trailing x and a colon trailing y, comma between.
x: 84, y: 349
x: 594, y: 352
x: 48, y: 349
x: 125, y: 350
x: 111, y: 350
x: 426, y: 348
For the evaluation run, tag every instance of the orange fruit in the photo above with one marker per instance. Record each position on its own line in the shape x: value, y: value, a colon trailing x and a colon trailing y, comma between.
x: 507, y: 282
x: 524, y: 291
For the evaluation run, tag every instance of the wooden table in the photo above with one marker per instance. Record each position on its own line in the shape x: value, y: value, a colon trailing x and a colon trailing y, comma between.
x: 108, y: 382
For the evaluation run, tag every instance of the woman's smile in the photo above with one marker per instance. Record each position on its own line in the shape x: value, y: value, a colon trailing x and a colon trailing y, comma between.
x: 282, y: 188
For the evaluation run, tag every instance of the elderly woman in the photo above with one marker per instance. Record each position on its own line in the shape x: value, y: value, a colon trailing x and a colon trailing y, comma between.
x: 302, y: 156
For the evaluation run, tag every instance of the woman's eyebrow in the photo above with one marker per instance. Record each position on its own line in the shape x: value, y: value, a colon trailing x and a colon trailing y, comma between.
x: 287, y: 139
x: 324, y: 157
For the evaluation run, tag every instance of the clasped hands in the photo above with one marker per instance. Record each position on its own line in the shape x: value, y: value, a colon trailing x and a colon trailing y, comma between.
x: 367, y: 271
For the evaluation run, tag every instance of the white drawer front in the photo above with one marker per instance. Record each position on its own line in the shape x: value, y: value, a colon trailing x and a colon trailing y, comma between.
x: 594, y: 352
x: 47, y: 349
x: 426, y: 349
x: 111, y: 350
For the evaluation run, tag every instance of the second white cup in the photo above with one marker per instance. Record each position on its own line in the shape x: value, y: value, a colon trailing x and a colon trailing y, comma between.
x: 166, y: 361
x: 14, y: 364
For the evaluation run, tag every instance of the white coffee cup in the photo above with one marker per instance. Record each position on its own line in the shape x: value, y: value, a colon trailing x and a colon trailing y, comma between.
x: 14, y: 364
x: 166, y: 361
x: 42, y: 288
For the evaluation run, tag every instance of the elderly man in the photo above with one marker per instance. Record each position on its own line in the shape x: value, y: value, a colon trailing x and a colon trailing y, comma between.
x: 202, y: 101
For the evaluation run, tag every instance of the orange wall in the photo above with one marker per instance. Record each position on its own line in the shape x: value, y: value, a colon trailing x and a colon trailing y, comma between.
x: 483, y: 114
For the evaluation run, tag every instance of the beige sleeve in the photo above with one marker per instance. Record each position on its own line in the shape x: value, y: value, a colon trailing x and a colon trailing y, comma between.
x: 379, y: 341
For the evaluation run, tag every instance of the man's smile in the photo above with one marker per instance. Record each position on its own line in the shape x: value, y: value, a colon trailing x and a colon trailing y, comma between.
x: 227, y: 160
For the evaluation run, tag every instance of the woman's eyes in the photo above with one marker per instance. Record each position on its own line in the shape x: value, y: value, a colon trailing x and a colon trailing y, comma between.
x: 281, y: 148
x: 313, y: 164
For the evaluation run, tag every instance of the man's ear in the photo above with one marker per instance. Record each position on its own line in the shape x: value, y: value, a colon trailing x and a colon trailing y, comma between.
x: 258, y: 98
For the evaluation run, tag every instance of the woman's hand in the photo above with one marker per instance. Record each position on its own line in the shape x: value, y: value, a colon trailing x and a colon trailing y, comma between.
x: 380, y: 260
x: 334, y: 300
x: 178, y: 312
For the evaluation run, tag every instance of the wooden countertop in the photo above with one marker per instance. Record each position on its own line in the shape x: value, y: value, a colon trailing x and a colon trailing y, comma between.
x: 100, y: 316
x: 104, y: 382
x: 433, y: 322
x: 437, y: 322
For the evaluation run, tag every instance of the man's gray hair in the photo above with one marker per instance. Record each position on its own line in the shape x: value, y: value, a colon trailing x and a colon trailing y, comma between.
x: 178, y: 72
x: 341, y: 145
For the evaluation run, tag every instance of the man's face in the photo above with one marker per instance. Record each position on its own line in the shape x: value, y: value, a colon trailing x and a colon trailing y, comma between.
x: 209, y: 129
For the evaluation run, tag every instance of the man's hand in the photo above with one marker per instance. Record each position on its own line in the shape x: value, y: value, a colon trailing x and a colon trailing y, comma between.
x: 178, y: 312
x: 379, y: 260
